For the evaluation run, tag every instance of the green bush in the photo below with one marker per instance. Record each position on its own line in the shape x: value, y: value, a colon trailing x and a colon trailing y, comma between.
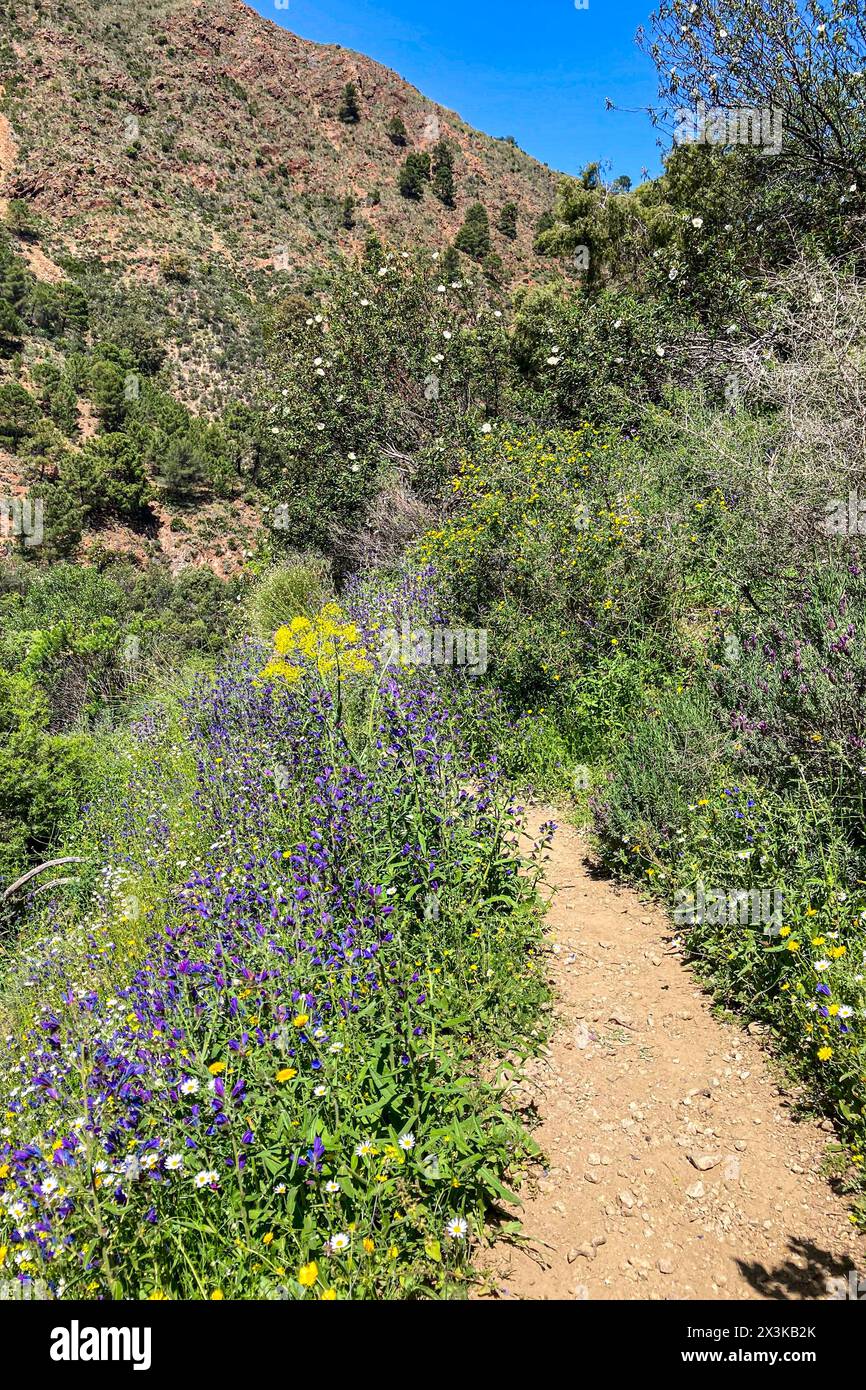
x: 297, y: 585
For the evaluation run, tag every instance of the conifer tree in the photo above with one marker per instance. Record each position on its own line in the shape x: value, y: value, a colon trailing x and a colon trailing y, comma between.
x: 474, y: 235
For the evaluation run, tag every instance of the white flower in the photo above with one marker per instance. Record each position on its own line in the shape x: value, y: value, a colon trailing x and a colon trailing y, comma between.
x: 280, y: 1189
x: 150, y: 1160
x: 845, y: 1011
x: 821, y: 965
x: 486, y: 428
x: 317, y: 361
x: 206, y: 1178
x: 456, y: 1228
x: 440, y: 289
x: 447, y: 333
x: 320, y: 427
x: 332, y: 1186
x: 188, y: 1087
x: 352, y: 456
x: 365, y: 302
x: 497, y: 313
x: 173, y: 1162
x: 553, y: 361
x: 365, y: 1148
x: 660, y: 352
x: 355, y: 468
x: 697, y: 222
x: 339, y: 1242
x: 18, y: 1211
x: 320, y: 1091
x: 406, y: 1142
x: 318, y: 318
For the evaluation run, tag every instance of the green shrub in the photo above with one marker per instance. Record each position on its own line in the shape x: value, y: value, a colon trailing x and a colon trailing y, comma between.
x: 297, y: 585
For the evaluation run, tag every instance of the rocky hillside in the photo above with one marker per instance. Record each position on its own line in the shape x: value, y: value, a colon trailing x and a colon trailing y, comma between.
x: 197, y: 149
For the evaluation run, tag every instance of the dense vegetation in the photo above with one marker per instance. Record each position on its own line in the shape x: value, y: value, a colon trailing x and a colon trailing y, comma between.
x: 269, y: 1011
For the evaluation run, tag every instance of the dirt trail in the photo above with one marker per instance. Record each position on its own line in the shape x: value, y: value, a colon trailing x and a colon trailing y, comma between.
x: 641, y: 1084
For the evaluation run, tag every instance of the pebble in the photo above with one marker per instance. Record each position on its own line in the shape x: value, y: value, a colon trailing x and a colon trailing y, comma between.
x: 704, y: 1162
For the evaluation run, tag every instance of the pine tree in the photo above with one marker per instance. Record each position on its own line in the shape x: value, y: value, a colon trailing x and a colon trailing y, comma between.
x: 10, y: 328
x: 442, y: 169
x: 19, y: 219
x: 508, y: 220
x: 397, y: 132
x: 450, y: 264
x: 107, y: 394
x: 474, y: 235
x: 414, y: 174
x: 349, y: 112
x: 182, y: 470
x: 494, y: 270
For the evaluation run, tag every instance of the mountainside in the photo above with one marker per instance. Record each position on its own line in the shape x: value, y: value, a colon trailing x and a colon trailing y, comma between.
x: 199, y: 151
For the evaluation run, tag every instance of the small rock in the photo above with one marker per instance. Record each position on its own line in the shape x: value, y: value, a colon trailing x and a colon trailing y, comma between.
x: 666, y: 1266
x: 696, y: 1191
x: 704, y: 1162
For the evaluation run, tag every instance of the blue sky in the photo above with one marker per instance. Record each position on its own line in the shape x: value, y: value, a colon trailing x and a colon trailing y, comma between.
x: 539, y: 72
